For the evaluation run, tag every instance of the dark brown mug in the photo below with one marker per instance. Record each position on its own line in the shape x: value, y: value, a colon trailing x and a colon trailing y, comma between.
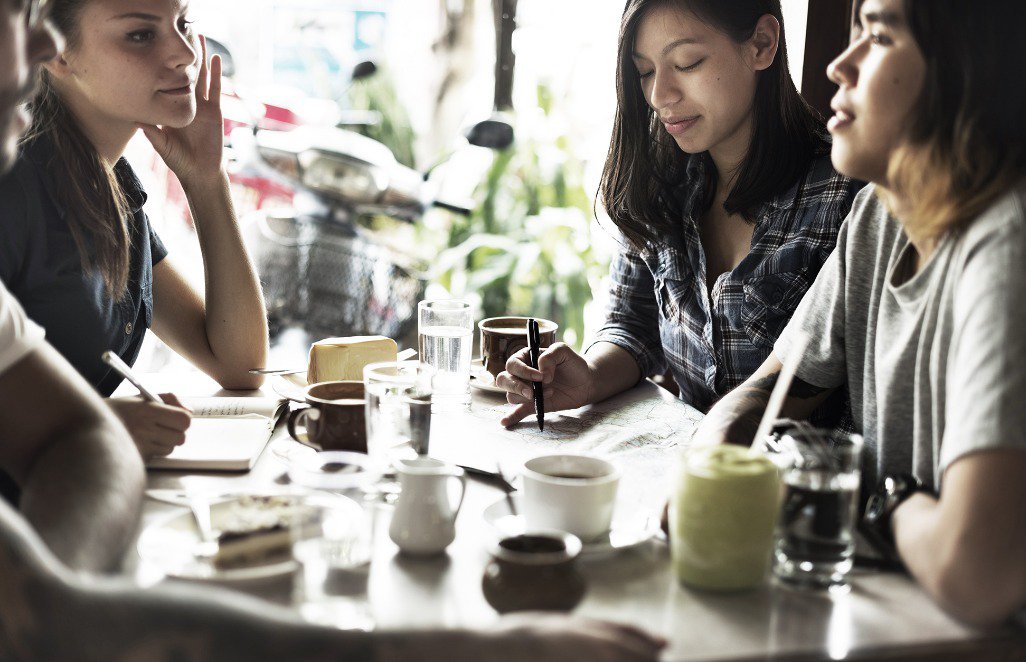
x: 335, y: 419
x: 502, y: 337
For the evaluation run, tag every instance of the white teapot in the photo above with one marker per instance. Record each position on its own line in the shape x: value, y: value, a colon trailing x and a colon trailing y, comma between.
x: 424, y: 521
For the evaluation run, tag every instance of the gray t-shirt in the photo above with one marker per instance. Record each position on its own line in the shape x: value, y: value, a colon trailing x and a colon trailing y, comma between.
x: 935, y: 361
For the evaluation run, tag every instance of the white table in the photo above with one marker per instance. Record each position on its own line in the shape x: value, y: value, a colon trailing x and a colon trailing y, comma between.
x: 884, y: 615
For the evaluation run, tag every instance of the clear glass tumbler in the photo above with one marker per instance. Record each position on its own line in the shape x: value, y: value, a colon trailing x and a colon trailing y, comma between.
x: 333, y: 554
x: 398, y: 413
x: 815, y: 538
x: 446, y: 333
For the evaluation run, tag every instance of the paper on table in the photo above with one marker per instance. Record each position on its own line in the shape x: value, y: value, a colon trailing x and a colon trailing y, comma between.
x: 226, y: 434
x: 633, y: 429
x: 239, y: 406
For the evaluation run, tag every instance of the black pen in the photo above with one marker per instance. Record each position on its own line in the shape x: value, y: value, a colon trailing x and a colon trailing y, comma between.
x: 534, y: 345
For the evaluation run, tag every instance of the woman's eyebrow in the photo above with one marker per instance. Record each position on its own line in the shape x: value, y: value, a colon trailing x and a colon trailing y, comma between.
x: 672, y: 45
x: 886, y: 18
x: 138, y: 15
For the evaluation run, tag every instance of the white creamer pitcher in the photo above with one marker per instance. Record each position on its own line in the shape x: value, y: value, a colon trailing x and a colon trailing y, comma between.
x: 425, y: 516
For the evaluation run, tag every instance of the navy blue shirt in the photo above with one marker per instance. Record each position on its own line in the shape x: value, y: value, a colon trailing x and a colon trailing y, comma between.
x: 41, y: 265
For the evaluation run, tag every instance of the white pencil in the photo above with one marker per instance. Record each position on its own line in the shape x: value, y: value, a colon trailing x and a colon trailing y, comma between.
x: 119, y: 366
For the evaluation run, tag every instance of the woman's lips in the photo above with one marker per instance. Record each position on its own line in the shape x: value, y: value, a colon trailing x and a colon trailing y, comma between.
x: 678, y: 128
x: 839, y: 120
x: 186, y: 89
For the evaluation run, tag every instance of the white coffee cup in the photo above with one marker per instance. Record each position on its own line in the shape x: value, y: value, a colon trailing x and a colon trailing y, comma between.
x: 570, y: 492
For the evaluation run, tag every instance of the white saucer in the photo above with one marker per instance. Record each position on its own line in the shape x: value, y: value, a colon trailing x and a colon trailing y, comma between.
x: 482, y: 380
x: 625, y: 534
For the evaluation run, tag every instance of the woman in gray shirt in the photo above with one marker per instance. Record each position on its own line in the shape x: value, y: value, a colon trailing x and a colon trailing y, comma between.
x: 921, y: 310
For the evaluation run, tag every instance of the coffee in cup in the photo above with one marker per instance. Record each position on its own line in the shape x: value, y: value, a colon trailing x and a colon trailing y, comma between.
x: 570, y: 492
x: 502, y: 337
x: 334, y: 419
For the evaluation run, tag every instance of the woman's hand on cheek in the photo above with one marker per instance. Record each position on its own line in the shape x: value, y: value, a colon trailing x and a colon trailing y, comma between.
x: 194, y: 152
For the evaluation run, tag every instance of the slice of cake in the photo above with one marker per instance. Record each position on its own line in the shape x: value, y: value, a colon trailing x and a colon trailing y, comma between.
x: 260, y: 529
x: 344, y: 358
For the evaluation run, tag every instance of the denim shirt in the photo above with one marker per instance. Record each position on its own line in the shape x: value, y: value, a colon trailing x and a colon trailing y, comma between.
x: 662, y: 311
x: 41, y: 265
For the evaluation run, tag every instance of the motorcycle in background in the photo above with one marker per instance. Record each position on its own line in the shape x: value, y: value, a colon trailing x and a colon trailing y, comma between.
x: 321, y: 268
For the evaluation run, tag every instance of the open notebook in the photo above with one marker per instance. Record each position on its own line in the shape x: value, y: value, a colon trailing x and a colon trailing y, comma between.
x: 226, y: 434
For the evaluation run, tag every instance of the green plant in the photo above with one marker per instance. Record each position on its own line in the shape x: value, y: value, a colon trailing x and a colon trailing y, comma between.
x: 377, y: 93
x: 527, y: 248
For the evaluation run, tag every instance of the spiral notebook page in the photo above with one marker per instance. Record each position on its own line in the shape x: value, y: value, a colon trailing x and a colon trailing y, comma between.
x: 226, y: 434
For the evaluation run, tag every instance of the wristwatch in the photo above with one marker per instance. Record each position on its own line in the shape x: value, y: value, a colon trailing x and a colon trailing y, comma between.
x: 876, y: 527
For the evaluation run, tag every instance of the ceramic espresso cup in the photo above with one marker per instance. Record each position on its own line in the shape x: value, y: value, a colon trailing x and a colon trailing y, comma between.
x: 572, y: 493
x: 502, y: 337
x: 334, y: 419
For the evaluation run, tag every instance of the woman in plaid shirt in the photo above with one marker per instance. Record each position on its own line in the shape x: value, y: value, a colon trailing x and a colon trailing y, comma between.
x: 720, y: 183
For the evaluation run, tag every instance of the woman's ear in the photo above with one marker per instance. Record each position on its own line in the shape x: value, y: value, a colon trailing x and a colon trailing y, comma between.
x: 58, y: 67
x: 765, y: 42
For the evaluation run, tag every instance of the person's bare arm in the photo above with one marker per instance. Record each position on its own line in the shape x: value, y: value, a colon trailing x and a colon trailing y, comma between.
x: 80, y: 475
x: 968, y: 549
x: 224, y: 332
x: 224, y: 335
x: 48, y: 613
x: 735, y: 418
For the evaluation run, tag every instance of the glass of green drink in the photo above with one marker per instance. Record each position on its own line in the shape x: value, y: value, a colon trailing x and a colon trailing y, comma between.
x: 722, y: 514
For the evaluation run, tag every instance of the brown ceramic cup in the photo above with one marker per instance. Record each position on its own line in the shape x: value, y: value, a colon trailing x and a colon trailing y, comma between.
x: 534, y: 571
x: 502, y: 337
x: 335, y: 419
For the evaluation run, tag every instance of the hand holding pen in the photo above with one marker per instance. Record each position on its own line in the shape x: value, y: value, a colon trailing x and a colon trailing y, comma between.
x: 157, y: 423
x: 534, y: 350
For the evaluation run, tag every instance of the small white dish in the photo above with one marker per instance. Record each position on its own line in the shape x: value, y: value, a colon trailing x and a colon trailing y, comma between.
x: 169, y: 545
x: 624, y: 534
x: 482, y: 380
x: 330, y: 470
x: 291, y: 387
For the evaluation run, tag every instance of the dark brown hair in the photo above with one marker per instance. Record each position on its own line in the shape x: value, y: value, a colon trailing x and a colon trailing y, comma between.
x: 966, y: 136
x: 644, y: 164
x: 86, y: 187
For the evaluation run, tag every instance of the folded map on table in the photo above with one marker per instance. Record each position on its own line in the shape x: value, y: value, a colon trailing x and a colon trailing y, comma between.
x: 226, y: 434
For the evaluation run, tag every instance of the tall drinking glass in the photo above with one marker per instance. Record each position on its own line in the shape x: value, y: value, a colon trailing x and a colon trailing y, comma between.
x: 815, y: 533
x: 398, y: 413
x: 446, y: 331
x: 333, y: 554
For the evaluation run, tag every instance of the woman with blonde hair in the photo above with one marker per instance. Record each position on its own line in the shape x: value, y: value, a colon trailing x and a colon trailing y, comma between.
x: 921, y: 310
x: 78, y: 251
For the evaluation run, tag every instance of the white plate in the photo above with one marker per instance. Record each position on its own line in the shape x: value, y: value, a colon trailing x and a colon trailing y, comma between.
x: 624, y: 535
x: 168, y: 545
x: 482, y: 380
x: 292, y: 387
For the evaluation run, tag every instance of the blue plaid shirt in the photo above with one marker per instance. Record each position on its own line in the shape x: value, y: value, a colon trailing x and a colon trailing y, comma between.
x: 662, y: 311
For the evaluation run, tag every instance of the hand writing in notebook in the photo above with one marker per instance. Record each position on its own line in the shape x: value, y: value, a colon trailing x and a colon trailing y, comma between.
x: 156, y: 428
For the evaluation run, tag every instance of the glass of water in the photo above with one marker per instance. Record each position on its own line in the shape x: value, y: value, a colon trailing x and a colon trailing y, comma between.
x: 815, y: 538
x: 333, y: 554
x: 398, y: 413
x: 446, y: 331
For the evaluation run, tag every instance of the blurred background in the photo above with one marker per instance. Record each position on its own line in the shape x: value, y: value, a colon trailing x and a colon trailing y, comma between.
x: 386, y: 151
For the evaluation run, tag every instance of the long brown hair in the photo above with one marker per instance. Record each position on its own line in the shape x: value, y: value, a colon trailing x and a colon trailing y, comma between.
x: 967, y: 143
x: 644, y: 164
x: 86, y: 186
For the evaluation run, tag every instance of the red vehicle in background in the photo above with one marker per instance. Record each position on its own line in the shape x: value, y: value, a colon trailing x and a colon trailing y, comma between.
x: 301, y: 190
